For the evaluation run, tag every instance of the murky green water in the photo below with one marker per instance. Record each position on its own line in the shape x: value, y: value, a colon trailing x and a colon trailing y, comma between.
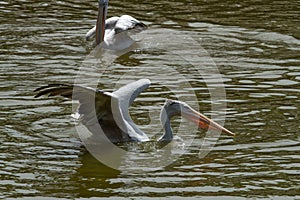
x: 256, y: 47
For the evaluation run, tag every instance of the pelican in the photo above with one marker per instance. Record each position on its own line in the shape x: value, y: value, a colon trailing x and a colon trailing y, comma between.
x: 113, y: 32
x: 110, y: 111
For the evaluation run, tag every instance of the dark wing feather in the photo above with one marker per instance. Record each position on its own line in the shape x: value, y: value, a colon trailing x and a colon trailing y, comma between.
x: 95, y: 107
x: 54, y: 90
x: 126, y: 23
x: 93, y: 102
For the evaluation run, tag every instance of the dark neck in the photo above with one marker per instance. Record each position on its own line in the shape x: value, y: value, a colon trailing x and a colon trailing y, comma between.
x: 167, y: 112
x: 168, y: 135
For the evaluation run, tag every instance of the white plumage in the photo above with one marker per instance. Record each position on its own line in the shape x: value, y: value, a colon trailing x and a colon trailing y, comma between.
x: 117, y: 32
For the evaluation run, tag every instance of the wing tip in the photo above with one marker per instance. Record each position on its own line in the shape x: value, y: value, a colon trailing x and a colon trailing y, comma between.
x: 47, y: 89
x: 146, y: 81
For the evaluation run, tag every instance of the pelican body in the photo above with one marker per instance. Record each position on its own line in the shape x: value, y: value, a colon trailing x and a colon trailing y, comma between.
x: 114, y: 32
x: 110, y: 111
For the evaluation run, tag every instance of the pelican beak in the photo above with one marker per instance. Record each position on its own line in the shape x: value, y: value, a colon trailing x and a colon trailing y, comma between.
x: 100, y: 26
x: 202, y: 121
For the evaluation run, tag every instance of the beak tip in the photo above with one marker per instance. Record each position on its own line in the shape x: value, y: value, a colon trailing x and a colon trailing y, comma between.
x: 229, y: 132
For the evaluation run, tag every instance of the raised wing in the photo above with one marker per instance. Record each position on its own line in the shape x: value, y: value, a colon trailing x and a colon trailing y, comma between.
x: 126, y: 95
x: 126, y: 23
x: 129, y: 92
x: 110, y: 24
x: 110, y: 110
x: 93, y: 102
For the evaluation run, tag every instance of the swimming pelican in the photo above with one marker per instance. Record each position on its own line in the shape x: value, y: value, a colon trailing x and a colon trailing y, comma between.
x: 111, y: 111
x: 113, y: 32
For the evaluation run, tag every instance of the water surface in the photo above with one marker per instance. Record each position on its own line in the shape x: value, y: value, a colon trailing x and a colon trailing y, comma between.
x: 256, y: 48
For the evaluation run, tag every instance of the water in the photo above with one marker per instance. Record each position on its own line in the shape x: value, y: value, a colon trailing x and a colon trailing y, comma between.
x: 256, y: 48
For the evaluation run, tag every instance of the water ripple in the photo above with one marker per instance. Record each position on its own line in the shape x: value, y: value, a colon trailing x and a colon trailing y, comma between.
x: 255, y: 46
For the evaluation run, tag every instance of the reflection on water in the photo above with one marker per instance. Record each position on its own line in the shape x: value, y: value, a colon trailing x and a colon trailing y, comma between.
x: 256, y: 48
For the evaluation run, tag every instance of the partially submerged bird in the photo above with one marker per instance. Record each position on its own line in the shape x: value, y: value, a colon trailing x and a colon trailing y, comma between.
x: 110, y: 111
x: 114, y: 32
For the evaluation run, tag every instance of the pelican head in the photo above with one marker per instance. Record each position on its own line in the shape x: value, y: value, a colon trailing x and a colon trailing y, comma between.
x: 173, y: 108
